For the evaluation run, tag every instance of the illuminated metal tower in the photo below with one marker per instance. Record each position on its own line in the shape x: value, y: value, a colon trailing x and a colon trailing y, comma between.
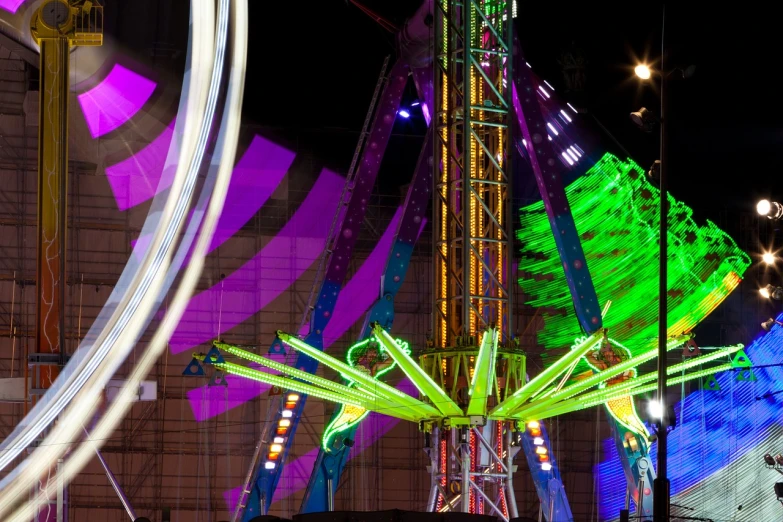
x: 472, y: 241
x: 56, y: 26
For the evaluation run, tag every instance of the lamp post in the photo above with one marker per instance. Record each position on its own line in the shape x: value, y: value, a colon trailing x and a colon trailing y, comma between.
x: 661, y: 484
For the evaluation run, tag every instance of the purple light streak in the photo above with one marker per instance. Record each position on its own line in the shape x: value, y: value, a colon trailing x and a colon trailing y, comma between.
x: 115, y: 100
x: 139, y: 177
x: 269, y: 273
x: 11, y: 5
x: 256, y: 176
x: 354, y: 300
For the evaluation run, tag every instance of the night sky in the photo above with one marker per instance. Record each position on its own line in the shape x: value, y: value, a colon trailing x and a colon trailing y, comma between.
x: 316, y: 73
x: 312, y: 74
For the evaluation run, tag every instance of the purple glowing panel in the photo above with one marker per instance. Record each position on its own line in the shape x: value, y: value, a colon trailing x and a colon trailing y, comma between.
x: 296, y: 474
x: 256, y: 176
x: 367, y: 172
x: 354, y: 301
x: 11, y: 5
x: 254, y: 285
x: 115, y: 100
x: 139, y: 177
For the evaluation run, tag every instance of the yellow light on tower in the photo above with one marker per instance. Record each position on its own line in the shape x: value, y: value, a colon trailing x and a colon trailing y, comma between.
x: 642, y: 71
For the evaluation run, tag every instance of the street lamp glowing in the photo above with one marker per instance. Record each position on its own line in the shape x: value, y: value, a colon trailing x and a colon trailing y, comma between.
x: 655, y: 409
x: 642, y: 71
x: 772, y: 209
x: 768, y: 258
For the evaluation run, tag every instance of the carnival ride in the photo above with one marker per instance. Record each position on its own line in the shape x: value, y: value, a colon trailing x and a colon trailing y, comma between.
x: 460, y: 417
x: 478, y: 123
x: 173, y: 232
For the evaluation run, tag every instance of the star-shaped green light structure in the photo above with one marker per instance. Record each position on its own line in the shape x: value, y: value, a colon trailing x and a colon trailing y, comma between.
x: 541, y: 397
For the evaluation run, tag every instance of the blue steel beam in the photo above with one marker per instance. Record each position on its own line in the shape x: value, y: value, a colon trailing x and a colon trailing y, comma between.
x: 330, y: 462
x: 632, y: 447
x: 546, y: 167
x: 340, y: 252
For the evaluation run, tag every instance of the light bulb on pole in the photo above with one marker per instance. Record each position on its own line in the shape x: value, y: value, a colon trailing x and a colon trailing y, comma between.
x: 643, y: 71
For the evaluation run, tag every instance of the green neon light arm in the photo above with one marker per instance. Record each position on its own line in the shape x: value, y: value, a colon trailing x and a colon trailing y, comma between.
x: 287, y: 370
x: 687, y: 365
x: 600, y: 395
x: 483, y: 373
x: 363, y: 381
x: 421, y: 380
x: 346, y: 396
x: 572, y: 405
x: 543, y: 401
x: 546, y: 377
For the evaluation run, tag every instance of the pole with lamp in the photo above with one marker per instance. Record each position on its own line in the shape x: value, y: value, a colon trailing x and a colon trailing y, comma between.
x: 646, y: 121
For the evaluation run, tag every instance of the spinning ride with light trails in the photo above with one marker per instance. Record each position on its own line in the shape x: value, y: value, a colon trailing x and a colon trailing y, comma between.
x: 476, y: 406
x: 133, y: 185
x: 213, y: 72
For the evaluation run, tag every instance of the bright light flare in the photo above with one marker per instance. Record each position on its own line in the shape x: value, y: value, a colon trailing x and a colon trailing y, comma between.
x: 655, y: 409
x: 764, y: 292
x: 642, y: 71
x: 763, y: 207
x: 768, y: 258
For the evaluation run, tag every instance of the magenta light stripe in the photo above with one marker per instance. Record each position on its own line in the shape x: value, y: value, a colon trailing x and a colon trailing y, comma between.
x: 354, y: 300
x: 115, y: 100
x: 297, y: 474
x: 256, y: 176
x: 11, y: 5
x: 281, y: 262
x: 139, y: 177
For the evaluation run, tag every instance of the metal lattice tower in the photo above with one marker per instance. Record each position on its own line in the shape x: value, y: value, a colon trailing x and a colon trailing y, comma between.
x: 472, y: 240
x: 473, y: 236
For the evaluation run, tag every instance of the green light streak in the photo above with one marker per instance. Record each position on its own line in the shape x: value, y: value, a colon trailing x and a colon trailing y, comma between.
x: 574, y: 404
x: 483, y: 373
x: 544, y: 378
x: 346, y: 395
x: 601, y: 395
x: 426, y: 386
x: 604, y: 375
x: 616, y: 212
x: 364, y: 381
x: 287, y: 370
x: 697, y: 361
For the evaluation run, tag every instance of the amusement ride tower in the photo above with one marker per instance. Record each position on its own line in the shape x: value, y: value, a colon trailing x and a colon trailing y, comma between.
x: 472, y: 247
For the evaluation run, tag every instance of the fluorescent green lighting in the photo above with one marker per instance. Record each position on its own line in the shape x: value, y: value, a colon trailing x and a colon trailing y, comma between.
x: 414, y: 372
x: 616, y: 212
x: 348, y: 416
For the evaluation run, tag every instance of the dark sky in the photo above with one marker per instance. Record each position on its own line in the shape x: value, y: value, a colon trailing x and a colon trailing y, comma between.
x: 312, y: 74
x: 316, y: 70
